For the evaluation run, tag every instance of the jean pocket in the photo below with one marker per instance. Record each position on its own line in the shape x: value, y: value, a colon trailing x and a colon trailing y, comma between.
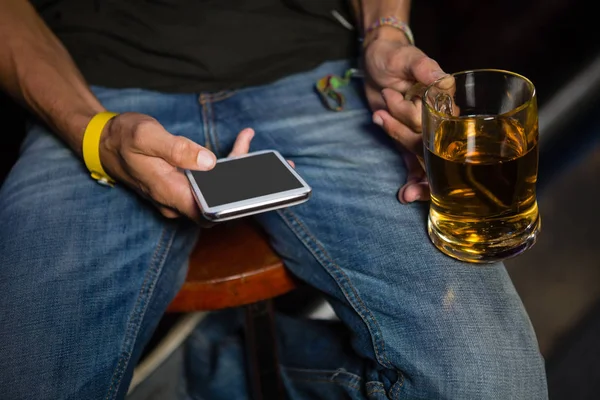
x: 314, y: 384
x: 322, y: 384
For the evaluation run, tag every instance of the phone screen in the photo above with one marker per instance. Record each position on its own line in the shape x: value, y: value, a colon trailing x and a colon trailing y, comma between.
x: 245, y: 178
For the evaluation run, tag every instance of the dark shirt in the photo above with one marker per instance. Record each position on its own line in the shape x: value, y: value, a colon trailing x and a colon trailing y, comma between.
x: 198, y: 45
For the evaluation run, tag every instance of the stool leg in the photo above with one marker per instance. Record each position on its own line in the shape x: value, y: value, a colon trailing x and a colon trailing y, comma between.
x: 264, y: 376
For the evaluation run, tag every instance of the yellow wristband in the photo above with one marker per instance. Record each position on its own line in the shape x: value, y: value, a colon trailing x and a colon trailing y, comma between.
x: 91, y: 147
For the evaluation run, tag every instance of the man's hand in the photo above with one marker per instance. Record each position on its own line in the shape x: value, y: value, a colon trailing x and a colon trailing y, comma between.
x: 136, y: 150
x: 396, y: 73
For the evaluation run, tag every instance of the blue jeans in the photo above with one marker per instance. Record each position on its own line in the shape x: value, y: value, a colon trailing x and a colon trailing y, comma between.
x: 86, y: 271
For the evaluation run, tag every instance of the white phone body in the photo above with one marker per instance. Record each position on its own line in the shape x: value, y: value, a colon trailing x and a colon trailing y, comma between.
x: 254, y: 205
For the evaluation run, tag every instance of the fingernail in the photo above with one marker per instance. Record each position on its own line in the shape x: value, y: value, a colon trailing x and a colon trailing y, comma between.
x: 205, y: 160
x: 401, y: 195
x: 377, y: 120
x: 437, y: 74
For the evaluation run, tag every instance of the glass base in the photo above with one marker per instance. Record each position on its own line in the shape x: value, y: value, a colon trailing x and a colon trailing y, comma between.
x: 450, y: 238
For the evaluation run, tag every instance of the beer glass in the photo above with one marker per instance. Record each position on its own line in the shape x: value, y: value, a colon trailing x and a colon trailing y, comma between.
x: 480, y: 136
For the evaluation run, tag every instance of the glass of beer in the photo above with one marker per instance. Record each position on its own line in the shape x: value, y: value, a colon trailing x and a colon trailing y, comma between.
x: 480, y: 136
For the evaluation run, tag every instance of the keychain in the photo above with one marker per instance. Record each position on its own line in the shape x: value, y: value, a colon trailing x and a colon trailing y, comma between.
x: 328, y: 88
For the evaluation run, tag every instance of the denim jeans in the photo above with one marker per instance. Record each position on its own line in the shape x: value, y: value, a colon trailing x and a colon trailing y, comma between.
x: 87, y: 271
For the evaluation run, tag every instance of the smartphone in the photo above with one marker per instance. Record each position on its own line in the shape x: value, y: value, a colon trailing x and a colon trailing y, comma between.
x: 245, y: 185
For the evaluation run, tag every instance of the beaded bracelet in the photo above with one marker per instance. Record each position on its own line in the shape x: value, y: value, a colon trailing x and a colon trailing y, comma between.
x: 393, y: 22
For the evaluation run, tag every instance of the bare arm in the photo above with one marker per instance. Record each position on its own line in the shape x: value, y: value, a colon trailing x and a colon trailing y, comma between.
x: 37, y: 71
x: 369, y: 11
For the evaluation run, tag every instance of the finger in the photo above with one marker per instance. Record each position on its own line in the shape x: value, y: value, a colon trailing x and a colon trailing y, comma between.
x: 181, y: 197
x: 164, y: 210
x: 293, y: 164
x: 407, y: 138
x: 416, y: 186
x: 205, y: 223
x: 406, y: 111
x: 415, y: 92
x: 414, y: 170
x: 422, y: 68
x: 242, y: 143
x: 152, y: 139
x: 414, y: 192
x: 441, y: 96
x: 374, y: 97
x: 167, y: 212
x: 448, y: 84
x: 171, y: 192
x: 410, y: 63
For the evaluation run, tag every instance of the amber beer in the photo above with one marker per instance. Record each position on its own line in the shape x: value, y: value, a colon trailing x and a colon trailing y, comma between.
x: 481, y: 154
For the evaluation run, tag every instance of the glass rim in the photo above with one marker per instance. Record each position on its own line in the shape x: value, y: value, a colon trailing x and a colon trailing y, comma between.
x: 509, y: 113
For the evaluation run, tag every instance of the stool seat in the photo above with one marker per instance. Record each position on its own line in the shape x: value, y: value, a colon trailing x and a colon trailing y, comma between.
x: 232, y: 265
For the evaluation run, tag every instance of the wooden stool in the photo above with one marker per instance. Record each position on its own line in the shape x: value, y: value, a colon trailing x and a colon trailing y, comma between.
x: 233, y: 265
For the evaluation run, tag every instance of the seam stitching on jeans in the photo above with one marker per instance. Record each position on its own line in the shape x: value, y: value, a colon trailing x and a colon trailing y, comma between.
x: 222, y: 95
x: 213, y: 129
x: 117, y: 374
x: 121, y: 359
x: 375, y: 387
x: 350, y: 385
x: 322, y: 256
x: 354, y: 292
x: 338, y: 371
x: 144, y: 295
x: 208, y: 123
x: 153, y: 278
x: 204, y: 123
x: 395, y: 391
x: 378, y: 385
x: 202, y: 100
x: 338, y: 375
x: 203, y: 132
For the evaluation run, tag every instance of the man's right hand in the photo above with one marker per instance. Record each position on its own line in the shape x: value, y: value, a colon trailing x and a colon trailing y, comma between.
x: 136, y: 150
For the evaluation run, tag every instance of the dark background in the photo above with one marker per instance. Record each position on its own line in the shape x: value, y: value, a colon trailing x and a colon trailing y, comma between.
x: 550, y: 42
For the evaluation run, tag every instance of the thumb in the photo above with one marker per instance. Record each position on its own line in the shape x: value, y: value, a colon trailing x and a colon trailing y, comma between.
x: 425, y: 70
x: 184, y: 153
x: 178, y: 151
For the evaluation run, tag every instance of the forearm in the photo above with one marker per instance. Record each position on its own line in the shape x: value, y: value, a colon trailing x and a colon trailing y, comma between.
x: 369, y: 11
x: 37, y: 71
x: 372, y: 10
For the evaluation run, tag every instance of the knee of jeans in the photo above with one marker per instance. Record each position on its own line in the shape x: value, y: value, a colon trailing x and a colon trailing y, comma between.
x: 476, y: 362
